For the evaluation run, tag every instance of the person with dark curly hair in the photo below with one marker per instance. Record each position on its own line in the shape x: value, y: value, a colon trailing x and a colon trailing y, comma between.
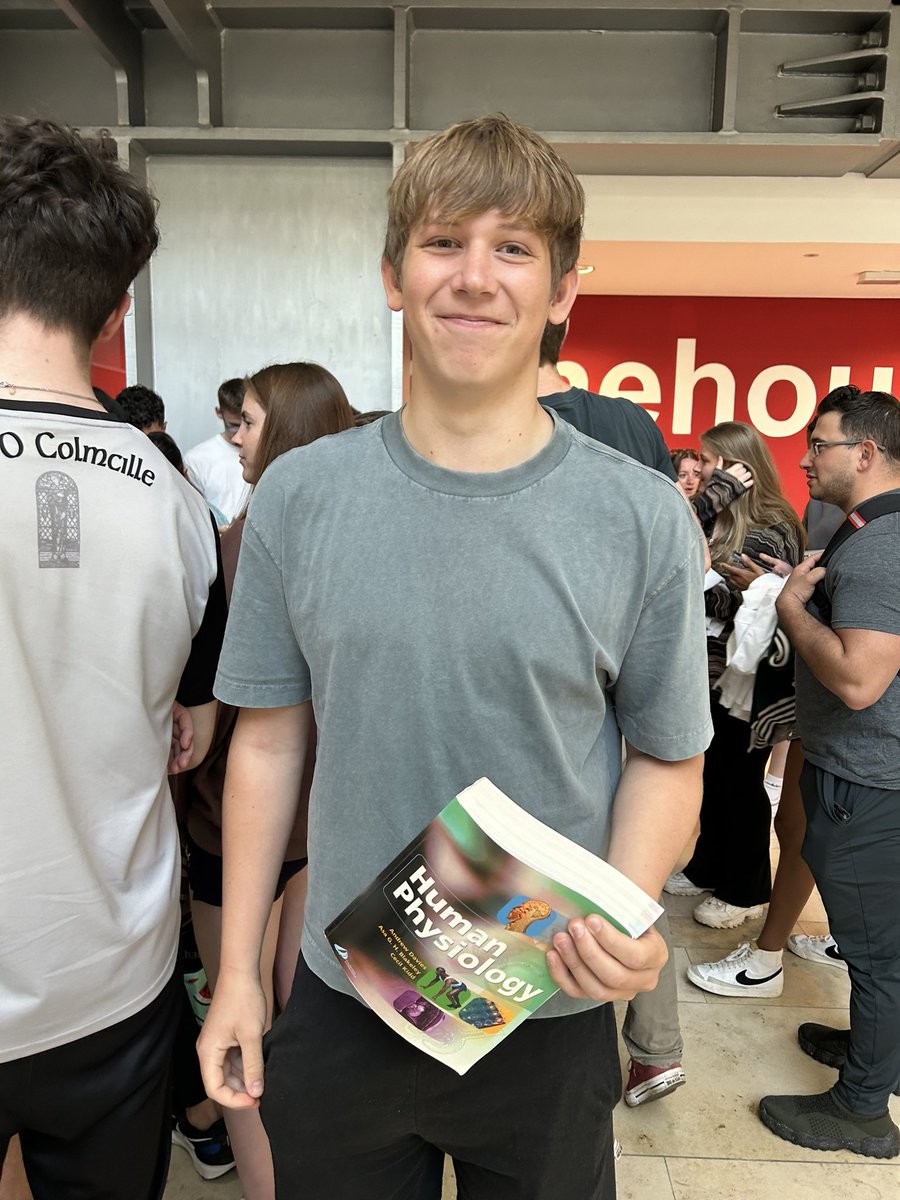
x: 101, y: 632
x: 143, y: 408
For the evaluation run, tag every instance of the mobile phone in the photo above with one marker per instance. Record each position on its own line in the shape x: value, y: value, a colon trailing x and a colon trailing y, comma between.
x: 738, y: 560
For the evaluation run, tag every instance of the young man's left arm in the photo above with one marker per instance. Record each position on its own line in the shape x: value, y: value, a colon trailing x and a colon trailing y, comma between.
x: 654, y: 815
x: 661, y: 703
x: 857, y: 665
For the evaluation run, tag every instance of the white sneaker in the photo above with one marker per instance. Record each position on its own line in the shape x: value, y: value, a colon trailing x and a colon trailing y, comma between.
x: 718, y: 915
x: 678, y: 884
x: 747, y: 971
x: 816, y: 949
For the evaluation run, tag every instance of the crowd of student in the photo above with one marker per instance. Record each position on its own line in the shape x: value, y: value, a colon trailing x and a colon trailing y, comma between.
x: 499, y: 579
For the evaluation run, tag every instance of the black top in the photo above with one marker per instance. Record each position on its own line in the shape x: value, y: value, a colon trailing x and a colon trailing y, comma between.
x: 616, y: 422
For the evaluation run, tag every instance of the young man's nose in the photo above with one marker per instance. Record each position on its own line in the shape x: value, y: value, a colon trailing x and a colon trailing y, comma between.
x: 476, y: 271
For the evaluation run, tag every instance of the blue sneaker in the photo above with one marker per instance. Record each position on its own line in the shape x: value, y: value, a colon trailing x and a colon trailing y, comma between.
x: 210, y: 1149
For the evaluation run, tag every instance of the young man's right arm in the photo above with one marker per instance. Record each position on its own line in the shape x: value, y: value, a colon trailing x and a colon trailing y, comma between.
x: 262, y: 784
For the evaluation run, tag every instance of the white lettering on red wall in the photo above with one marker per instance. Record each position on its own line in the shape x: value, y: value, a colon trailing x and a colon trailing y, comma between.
x: 695, y: 361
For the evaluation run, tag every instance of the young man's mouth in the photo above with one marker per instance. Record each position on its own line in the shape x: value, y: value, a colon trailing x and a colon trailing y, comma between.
x: 469, y: 320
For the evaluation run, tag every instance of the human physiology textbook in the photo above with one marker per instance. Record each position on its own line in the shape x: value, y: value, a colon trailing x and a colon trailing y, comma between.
x: 449, y: 944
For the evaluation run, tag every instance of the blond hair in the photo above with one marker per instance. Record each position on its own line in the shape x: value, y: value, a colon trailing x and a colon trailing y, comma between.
x: 761, y: 506
x: 483, y: 164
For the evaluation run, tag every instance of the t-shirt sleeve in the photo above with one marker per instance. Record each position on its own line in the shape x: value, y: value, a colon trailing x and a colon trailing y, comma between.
x: 261, y: 665
x: 656, y: 452
x: 663, y: 462
x: 196, y: 686
x: 664, y: 465
x: 661, y: 693
x: 863, y: 579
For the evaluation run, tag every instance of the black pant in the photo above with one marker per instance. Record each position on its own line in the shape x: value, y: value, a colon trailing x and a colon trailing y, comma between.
x: 93, y: 1115
x: 852, y: 847
x: 732, y: 852
x: 355, y: 1113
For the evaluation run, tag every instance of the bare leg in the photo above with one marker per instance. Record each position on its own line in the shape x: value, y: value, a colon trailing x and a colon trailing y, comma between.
x: 201, y: 1115
x: 245, y: 1128
x: 778, y: 759
x: 290, y: 929
x: 13, y: 1184
x: 793, y: 883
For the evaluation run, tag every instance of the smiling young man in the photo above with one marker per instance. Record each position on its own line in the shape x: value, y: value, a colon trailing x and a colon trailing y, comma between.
x: 844, y: 622
x: 468, y: 587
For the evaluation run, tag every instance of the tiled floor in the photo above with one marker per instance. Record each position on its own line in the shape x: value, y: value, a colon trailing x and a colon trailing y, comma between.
x: 705, y: 1142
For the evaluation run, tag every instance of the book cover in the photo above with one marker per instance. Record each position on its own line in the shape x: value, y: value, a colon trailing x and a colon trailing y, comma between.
x: 448, y: 945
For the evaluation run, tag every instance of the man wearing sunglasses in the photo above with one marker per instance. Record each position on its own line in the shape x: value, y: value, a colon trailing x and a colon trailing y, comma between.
x: 843, y: 616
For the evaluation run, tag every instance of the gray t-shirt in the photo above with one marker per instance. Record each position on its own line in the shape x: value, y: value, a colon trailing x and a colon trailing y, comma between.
x: 863, y: 584
x: 449, y: 625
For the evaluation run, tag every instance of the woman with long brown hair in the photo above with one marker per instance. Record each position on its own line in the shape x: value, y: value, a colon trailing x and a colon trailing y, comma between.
x: 285, y: 406
x: 731, y: 858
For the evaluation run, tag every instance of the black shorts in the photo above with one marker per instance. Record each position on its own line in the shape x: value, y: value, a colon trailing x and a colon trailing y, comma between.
x: 205, y: 874
x: 94, y: 1115
x: 355, y: 1113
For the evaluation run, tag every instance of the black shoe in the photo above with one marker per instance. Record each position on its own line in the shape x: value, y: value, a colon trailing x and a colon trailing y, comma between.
x: 826, y: 1045
x: 210, y: 1149
x: 822, y: 1123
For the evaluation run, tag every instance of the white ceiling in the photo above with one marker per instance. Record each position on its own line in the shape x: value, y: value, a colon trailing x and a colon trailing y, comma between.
x: 738, y: 268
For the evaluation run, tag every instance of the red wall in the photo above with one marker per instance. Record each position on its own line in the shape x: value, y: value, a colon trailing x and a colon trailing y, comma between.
x: 778, y: 356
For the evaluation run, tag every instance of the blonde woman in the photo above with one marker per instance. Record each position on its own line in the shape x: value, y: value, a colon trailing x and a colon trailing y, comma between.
x: 731, y: 858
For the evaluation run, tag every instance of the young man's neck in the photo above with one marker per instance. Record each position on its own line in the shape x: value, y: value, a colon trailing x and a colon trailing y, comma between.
x: 884, y: 482
x: 465, y: 432
x: 550, y: 381
x: 40, y: 365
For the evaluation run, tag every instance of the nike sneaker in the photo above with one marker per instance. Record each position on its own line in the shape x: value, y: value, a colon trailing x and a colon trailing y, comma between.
x: 747, y: 971
x: 822, y: 949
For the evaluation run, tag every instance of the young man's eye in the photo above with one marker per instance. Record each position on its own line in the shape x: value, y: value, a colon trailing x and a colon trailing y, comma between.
x: 442, y: 243
x: 514, y: 249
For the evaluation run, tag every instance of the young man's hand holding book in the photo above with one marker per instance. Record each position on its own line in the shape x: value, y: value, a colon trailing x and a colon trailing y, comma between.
x: 594, y: 961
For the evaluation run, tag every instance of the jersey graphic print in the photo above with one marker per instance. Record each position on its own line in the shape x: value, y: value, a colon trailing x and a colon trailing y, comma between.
x: 58, y: 520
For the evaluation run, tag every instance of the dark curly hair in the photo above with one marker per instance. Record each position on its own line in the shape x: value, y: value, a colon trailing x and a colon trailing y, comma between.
x: 142, y: 406
x: 75, y: 227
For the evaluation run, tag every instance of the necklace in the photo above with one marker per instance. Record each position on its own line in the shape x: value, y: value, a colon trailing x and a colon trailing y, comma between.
x: 14, y: 387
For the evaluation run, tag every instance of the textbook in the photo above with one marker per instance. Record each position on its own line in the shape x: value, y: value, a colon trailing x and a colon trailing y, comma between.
x: 448, y: 945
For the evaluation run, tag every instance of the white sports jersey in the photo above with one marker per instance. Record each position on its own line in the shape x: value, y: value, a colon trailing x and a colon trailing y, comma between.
x: 108, y: 558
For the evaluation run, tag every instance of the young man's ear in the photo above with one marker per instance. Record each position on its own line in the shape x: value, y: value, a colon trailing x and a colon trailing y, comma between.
x: 392, y: 288
x: 868, y: 454
x: 113, y: 322
x: 564, y: 297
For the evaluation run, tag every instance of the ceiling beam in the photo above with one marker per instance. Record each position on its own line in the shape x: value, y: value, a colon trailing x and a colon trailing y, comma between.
x: 197, y: 35
x: 119, y: 42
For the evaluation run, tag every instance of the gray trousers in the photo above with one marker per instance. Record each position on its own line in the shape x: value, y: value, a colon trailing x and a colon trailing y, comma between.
x: 852, y: 847
x: 651, y: 1031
